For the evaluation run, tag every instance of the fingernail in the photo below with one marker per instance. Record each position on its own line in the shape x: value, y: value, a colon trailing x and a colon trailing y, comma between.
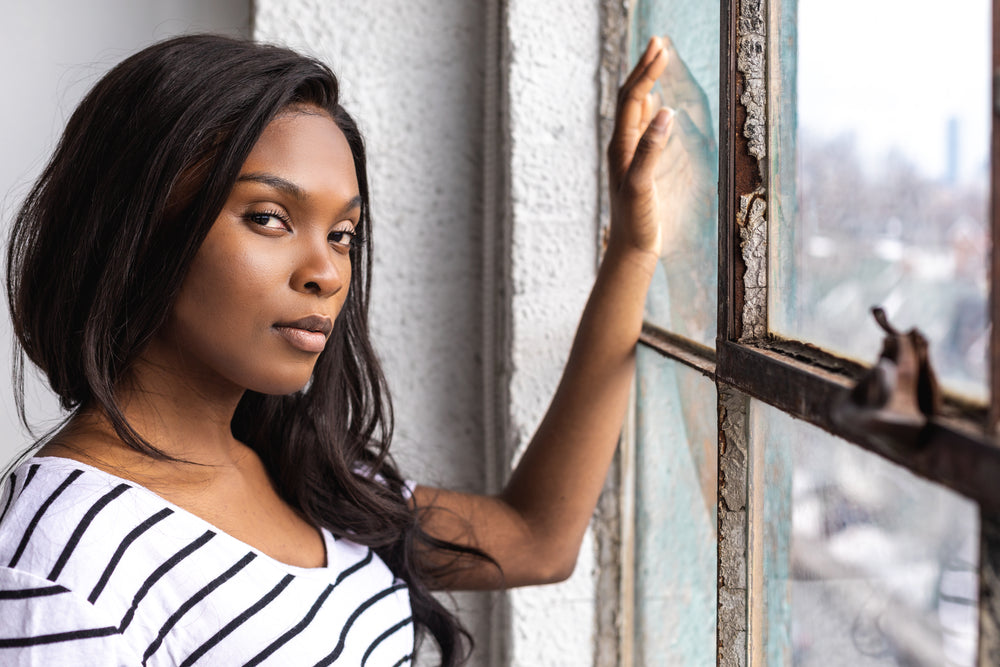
x: 662, y: 119
x: 656, y: 43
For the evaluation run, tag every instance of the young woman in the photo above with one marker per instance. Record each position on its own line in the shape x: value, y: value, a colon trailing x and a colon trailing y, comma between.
x: 191, y: 274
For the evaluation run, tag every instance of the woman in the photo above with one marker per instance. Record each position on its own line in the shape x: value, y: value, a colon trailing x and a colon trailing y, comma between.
x: 191, y: 274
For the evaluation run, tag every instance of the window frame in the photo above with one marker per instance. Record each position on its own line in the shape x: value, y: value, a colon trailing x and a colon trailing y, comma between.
x: 958, y: 449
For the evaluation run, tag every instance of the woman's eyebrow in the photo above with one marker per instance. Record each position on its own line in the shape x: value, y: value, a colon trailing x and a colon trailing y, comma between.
x: 286, y: 186
x: 356, y: 202
x: 276, y: 182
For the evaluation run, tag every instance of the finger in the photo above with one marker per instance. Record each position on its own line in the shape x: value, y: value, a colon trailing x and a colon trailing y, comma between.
x: 629, y: 117
x: 648, y: 105
x: 649, y: 147
x: 654, y: 45
x: 631, y: 98
x: 642, y: 80
x: 632, y: 119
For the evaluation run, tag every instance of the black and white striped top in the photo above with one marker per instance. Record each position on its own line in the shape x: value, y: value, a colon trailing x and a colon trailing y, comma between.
x: 95, y: 570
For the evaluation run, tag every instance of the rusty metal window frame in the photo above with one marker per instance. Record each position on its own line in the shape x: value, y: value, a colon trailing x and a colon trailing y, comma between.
x: 958, y: 449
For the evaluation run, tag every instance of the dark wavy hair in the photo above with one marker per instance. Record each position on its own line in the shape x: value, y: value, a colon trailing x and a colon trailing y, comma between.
x: 102, y: 243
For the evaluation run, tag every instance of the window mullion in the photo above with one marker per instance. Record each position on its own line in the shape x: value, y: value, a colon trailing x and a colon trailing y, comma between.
x: 989, y: 521
x: 994, y: 214
x: 739, y: 175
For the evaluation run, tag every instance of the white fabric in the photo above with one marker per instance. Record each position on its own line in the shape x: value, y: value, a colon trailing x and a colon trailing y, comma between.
x: 95, y: 570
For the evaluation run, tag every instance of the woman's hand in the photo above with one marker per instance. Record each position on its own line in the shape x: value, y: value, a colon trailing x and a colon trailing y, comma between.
x: 639, y: 137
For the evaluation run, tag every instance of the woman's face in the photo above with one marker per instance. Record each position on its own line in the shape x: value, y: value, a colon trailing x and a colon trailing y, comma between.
x: 259, y: 301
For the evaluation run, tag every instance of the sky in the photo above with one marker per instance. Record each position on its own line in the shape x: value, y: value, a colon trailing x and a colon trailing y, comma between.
x: 894, y: 72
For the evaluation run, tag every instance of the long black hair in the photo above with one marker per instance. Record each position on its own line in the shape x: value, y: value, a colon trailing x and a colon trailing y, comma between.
x: 100, y: 248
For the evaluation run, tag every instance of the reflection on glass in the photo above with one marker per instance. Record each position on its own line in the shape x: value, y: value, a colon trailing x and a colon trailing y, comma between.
x: 683, y: 297
x: 887, y: 200
x: 863, y: 563
x: 675, y: 507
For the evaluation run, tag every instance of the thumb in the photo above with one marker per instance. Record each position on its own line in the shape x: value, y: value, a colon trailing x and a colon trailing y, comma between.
x: 650, y: 145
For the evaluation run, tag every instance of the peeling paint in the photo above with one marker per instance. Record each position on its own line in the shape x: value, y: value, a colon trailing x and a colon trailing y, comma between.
x: 612, y: 631
x: 751, y: 42
x: 989, y: 585
x: 732, y: 596
x: 614, y: 59
x: 753, y: 244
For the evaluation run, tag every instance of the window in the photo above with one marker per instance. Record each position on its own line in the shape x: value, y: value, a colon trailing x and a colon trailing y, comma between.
x: 825, y: 170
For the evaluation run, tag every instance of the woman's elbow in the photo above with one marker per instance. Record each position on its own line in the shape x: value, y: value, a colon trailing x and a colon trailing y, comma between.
x: 550, y: 568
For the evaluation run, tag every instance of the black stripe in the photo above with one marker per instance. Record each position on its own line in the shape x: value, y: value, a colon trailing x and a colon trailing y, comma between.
x: 38, y: 515
x: 82, y: 528
x: 285, y: 638
x: 354, y: 568
x: 238, y: 621
x: 32, y: 592
x: 192, y: 601
x: 126, y: 543
x: 354, y: 617
x: 31, y: 475
x: 299, y: 627
x: 382, y: 637
x: 405, y: 658
x: 57, y: 638
x: 10, y: 497
x: 159, y: 572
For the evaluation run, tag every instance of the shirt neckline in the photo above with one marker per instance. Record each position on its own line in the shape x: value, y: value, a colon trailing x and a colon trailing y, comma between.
x: 327, y: 537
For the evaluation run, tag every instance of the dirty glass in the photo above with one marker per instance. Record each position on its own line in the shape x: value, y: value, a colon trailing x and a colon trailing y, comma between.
x: 863, y: 563
x: 675, y: 509
x: 879, y: 167
x: 683, y: 295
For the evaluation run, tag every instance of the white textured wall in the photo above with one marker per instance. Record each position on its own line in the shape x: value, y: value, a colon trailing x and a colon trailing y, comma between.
x: 553, y: 51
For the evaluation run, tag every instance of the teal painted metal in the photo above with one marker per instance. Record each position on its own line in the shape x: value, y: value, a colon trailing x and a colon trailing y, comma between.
x: 676, y: 431
x: 783, y: 130
x: 676, y: 543
x: 774, y: 489
x: 694, y: 29
x: 683, y: 295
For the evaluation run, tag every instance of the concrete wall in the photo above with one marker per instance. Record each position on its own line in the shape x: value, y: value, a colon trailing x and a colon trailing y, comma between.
x: 551, y: 92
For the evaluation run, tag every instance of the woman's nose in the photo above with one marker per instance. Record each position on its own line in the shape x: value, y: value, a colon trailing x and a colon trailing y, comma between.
x: 321, y: 269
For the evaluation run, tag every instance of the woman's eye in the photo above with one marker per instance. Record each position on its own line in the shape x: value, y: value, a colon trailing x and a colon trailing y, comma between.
x: 268, y: 220
x: 342, y: 237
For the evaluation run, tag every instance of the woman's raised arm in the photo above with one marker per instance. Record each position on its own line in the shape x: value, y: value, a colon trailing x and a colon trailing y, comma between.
x: 534, y: 527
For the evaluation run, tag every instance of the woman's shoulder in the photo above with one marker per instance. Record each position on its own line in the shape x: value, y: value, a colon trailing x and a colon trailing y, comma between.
x: 52, y: 507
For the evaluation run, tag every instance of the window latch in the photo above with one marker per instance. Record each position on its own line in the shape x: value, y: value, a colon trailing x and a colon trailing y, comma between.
x: 895, y: 399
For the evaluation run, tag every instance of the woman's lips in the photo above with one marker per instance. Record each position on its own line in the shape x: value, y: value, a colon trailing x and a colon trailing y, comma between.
x: 308, y: 334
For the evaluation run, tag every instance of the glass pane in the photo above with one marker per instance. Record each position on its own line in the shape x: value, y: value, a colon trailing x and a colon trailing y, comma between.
x: 675, y: 509
x: 879, y: 165
x: 863, y: 563
x: 683, y: 296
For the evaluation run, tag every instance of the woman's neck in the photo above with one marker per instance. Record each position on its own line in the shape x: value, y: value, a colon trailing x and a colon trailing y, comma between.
x: 189, y: 423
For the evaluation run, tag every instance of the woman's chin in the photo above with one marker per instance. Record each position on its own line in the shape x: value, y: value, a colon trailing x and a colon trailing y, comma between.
x: 282, y: 386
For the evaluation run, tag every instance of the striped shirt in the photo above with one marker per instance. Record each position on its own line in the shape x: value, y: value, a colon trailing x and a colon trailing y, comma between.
x: 95, y: 570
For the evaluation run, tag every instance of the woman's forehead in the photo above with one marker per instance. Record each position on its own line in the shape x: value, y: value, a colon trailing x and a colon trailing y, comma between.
x: 304, y: 146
